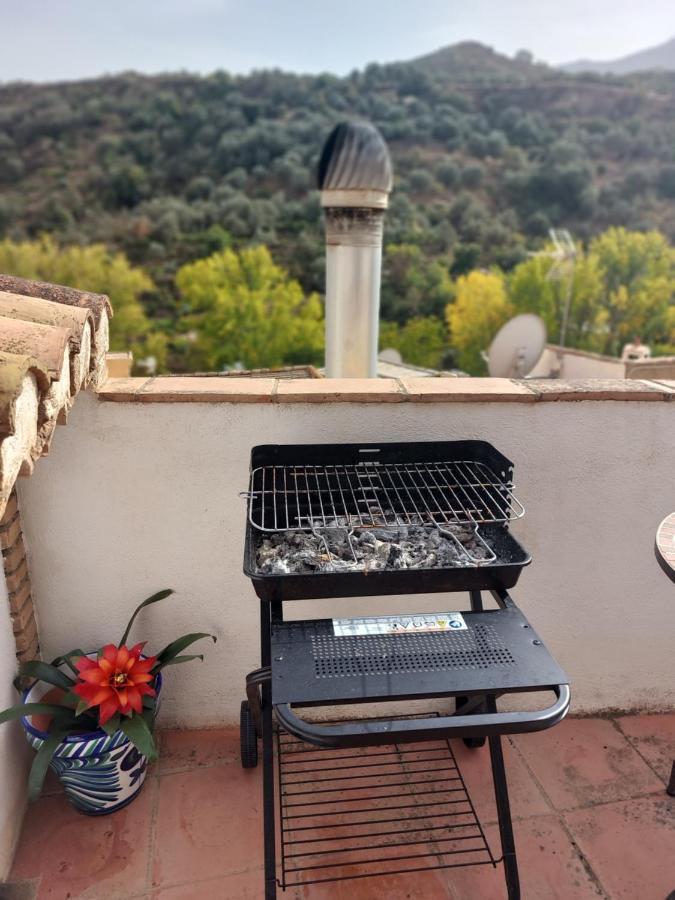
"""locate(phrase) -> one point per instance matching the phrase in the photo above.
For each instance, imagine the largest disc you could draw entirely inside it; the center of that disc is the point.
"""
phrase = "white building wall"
(14, 751)
(136, 497)
(573, 364)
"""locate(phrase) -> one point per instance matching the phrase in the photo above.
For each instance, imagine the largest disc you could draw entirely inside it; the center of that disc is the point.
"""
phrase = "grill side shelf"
(498, 652)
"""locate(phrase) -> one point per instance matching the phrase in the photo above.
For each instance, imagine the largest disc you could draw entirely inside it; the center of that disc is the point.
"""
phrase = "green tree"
(534, 286)
(92, 268)
(422, 341)
(413, 284)
(246, 310)
(480, 308)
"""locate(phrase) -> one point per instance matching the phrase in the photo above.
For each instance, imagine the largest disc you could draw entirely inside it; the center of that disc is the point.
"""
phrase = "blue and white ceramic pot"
(100, 773)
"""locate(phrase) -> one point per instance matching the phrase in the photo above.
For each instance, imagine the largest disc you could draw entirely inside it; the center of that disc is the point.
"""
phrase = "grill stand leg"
(501, 790)
(476, 601)
(504, 812)
(268, 758)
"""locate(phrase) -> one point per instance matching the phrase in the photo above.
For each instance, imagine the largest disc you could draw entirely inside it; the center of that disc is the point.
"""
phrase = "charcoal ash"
(342, 549)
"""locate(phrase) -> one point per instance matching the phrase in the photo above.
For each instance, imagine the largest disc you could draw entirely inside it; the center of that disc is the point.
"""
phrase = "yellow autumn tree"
(92, 268)
(480, 308)
(245, 310)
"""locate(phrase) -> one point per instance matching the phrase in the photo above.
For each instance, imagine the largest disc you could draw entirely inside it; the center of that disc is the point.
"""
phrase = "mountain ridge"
(660, 56)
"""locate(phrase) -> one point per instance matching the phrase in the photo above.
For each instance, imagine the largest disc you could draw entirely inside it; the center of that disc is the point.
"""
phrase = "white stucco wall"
(577, 364)
(14, 751)
(136, 497)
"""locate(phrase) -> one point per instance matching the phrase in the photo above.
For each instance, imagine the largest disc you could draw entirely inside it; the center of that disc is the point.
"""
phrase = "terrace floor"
(591, 819)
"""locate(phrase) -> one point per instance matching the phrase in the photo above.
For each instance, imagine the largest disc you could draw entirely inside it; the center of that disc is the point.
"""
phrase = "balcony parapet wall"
(216, 389)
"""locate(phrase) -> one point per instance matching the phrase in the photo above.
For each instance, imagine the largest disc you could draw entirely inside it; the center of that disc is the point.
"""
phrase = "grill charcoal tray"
(504, 573)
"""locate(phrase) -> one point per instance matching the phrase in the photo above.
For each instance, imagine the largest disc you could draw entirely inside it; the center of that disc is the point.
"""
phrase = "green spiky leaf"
(67, 659)
(136, 729)
(112, 725)
(176, 647)
(42, 759)
(183, 659)
(34, 668)
(160, 595)
(30, 709)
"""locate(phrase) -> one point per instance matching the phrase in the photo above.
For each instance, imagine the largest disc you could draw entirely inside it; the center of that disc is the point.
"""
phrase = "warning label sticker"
(415, 624)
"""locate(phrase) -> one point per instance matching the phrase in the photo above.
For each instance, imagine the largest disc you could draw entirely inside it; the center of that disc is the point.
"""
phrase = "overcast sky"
(46, 40)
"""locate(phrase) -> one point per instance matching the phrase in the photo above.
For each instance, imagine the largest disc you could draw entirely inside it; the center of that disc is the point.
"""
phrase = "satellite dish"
(517, 346)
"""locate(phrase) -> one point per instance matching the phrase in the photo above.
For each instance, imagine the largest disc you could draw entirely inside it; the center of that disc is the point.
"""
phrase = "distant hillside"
(470, 60)
(660, 57)
(489, 153)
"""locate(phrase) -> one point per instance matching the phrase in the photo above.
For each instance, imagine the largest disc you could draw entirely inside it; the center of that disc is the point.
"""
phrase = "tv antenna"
(564, 256)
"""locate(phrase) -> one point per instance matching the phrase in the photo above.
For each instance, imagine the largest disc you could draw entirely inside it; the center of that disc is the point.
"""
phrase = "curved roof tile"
(78, 321)
(53, 341)
(99, 304)
(49, 344)
(14, 367)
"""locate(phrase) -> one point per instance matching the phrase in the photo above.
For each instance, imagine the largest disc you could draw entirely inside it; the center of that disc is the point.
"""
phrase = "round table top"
(665, 545)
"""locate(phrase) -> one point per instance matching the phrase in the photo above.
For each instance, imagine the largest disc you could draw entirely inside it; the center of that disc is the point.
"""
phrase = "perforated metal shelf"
(345, 657)
(498, 652)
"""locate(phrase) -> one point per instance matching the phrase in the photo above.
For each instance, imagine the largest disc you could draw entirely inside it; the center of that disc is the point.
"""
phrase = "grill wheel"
(472, 742)
(248, 739)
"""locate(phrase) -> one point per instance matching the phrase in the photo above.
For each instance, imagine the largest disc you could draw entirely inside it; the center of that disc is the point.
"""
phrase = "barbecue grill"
(364, 797)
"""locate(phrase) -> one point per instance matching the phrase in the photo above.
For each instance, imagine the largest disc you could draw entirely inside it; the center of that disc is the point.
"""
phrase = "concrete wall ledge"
(215, 389)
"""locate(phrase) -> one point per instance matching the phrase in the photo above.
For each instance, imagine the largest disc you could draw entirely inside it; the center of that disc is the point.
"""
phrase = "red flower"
(116, 681)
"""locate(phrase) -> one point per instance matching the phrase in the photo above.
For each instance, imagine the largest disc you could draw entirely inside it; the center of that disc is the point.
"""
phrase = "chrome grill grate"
(376, 494)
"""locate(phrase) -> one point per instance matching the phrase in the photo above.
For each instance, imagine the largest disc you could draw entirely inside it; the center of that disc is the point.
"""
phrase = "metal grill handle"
(362, 734)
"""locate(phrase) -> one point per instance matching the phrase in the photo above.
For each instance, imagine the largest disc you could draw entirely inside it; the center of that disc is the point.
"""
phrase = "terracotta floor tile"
(203, 747)
(630, 845)
(526, 798)
(249, 886)
(549, 867)
(245, 886)
(412, 886)
(86, 856)
(585, 761)
(209, 824)
(654, 737)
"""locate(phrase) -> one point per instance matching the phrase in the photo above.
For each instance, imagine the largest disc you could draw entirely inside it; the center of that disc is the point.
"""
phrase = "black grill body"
(324, 785)
(419, 485)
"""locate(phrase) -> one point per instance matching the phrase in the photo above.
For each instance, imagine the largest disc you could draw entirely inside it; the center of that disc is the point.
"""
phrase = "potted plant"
(91, 716)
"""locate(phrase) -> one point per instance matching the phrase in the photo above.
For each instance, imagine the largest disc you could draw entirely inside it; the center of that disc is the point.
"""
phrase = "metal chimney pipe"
(355, 178)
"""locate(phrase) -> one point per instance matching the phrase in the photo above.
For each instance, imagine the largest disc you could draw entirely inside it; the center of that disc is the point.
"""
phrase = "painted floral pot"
(100, 773)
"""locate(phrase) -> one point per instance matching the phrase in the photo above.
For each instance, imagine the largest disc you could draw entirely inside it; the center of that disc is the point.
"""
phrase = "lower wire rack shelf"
(383, 810)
